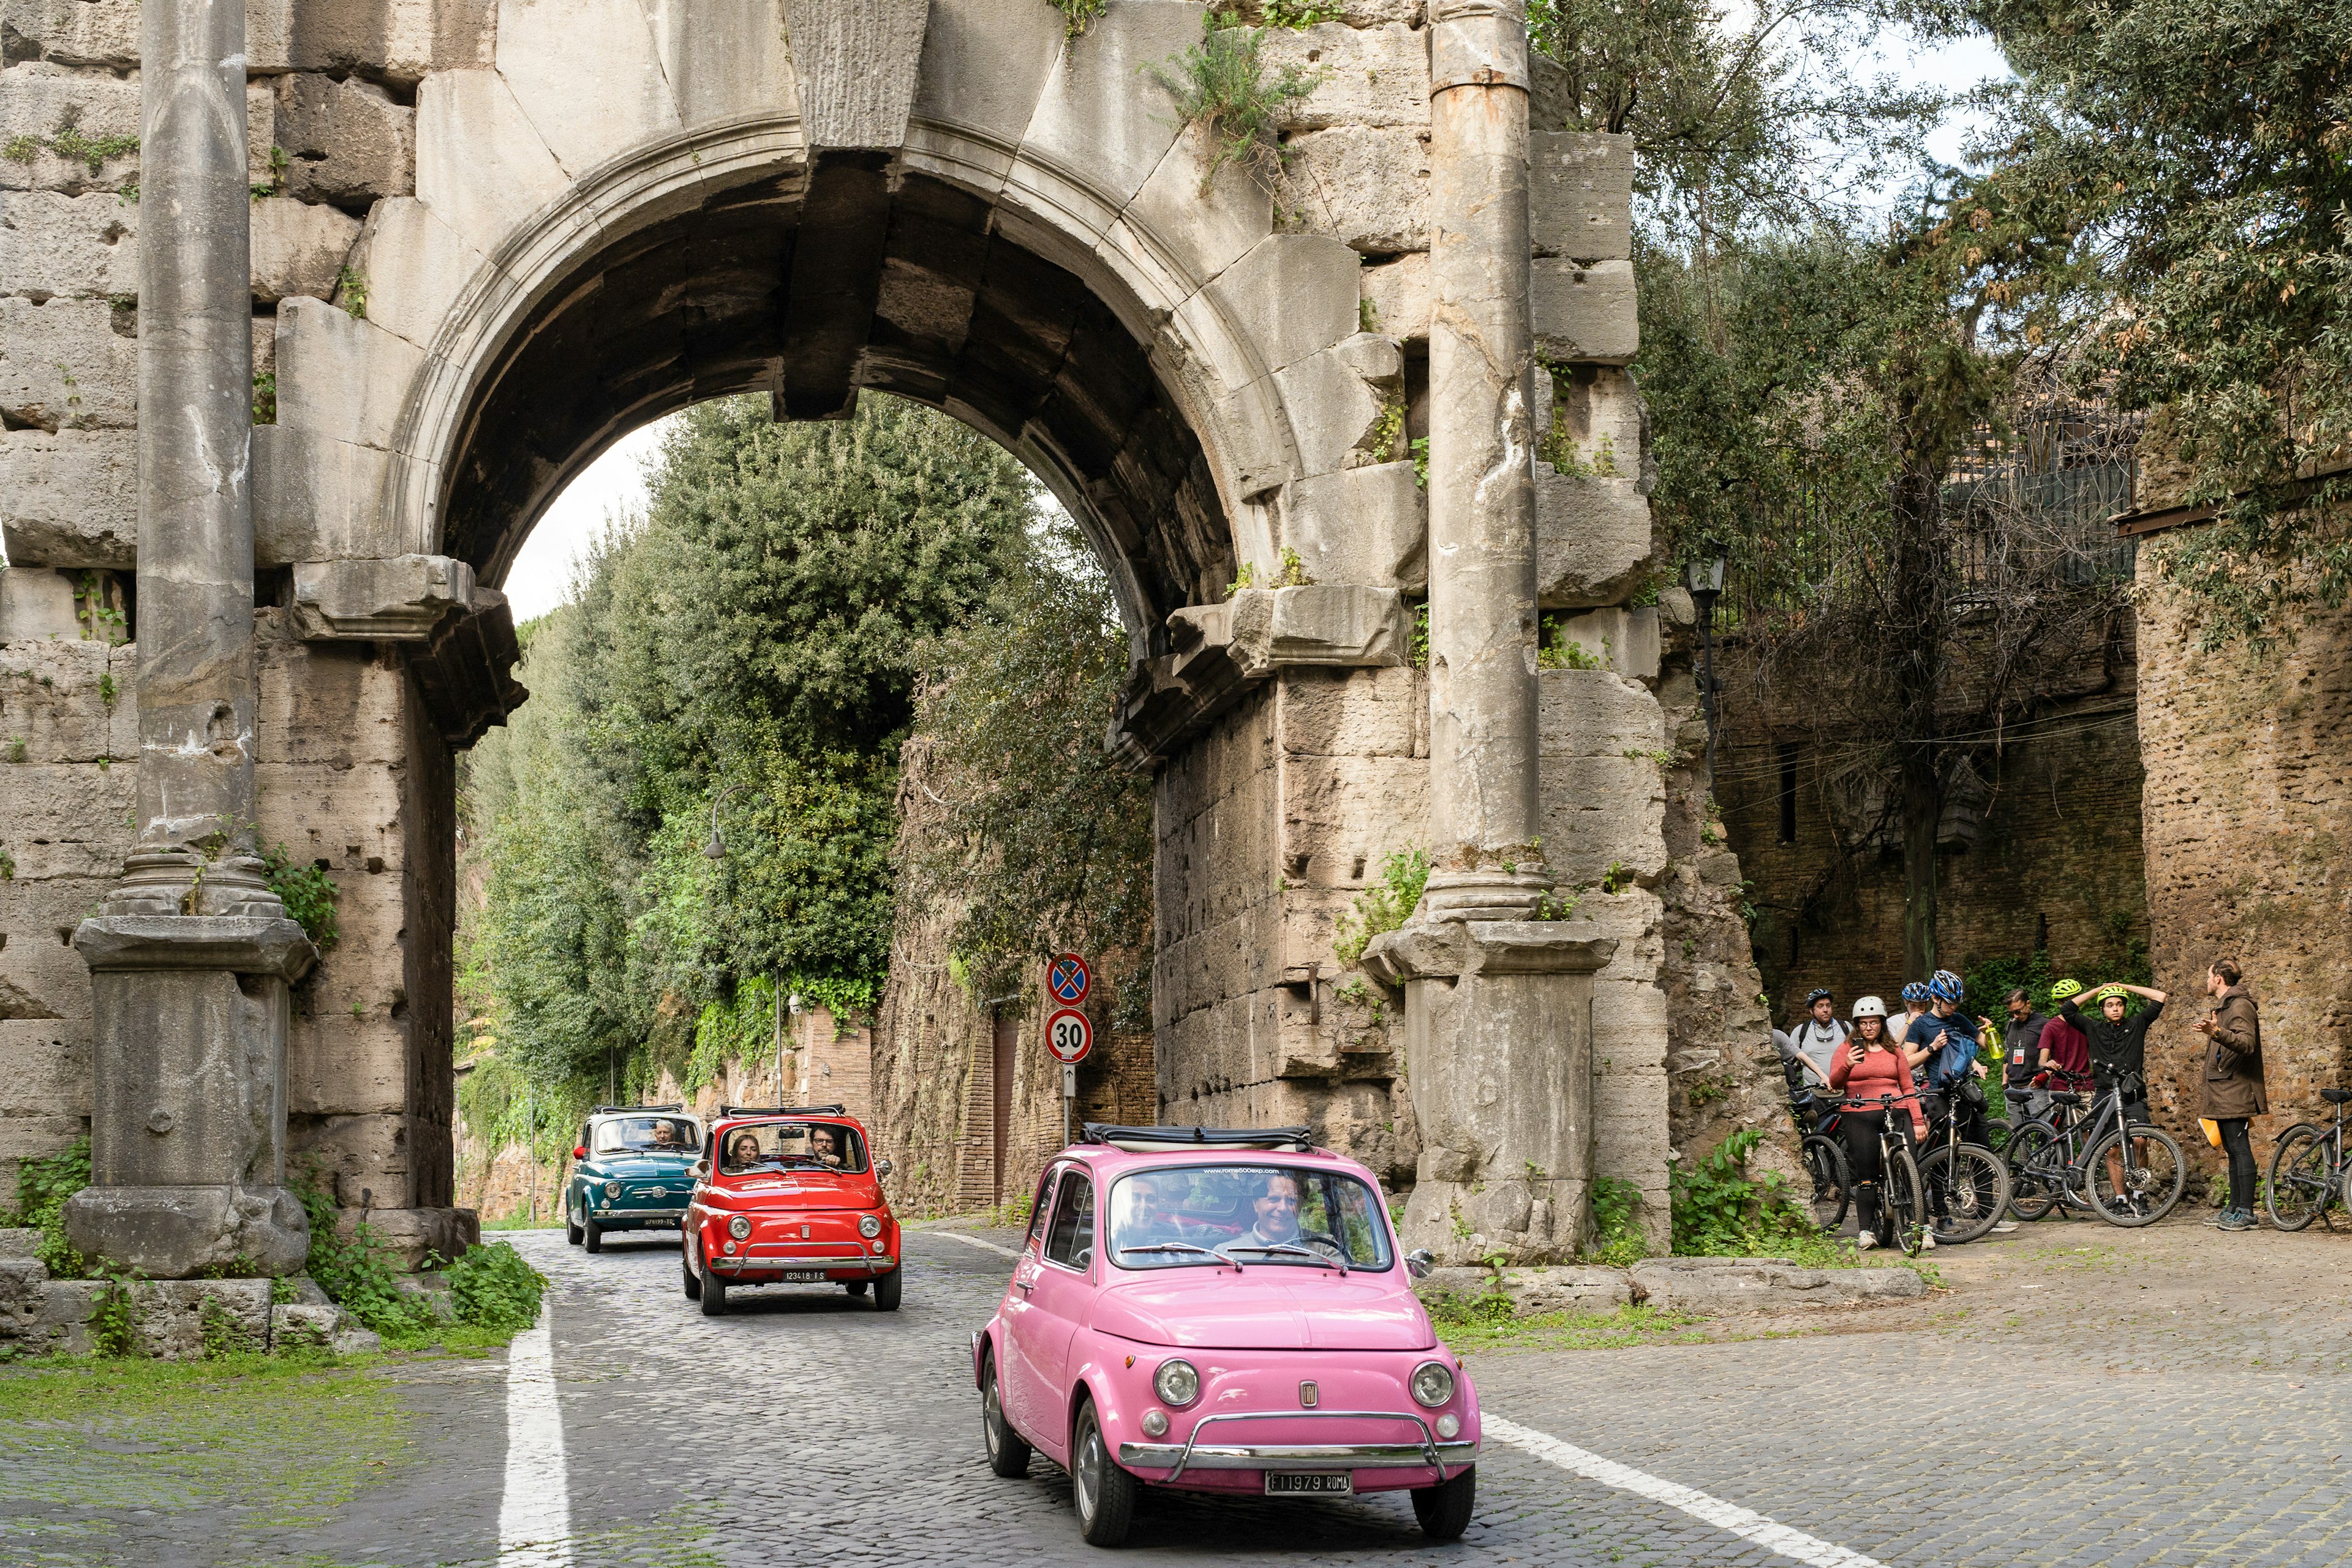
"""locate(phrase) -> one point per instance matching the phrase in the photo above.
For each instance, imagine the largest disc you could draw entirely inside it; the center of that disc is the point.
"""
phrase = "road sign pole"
(1069, 1097)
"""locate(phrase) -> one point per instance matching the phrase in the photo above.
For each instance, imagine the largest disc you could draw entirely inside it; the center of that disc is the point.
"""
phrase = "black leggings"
(2241, 1150)
(1859, 1129)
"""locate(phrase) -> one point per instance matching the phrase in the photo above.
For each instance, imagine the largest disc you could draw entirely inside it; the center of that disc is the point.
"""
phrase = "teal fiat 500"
(632, 1170)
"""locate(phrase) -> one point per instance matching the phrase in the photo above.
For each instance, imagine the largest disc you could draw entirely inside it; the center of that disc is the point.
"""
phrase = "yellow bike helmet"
(2065, 988)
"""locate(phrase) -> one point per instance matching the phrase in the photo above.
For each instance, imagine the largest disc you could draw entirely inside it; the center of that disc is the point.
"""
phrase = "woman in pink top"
(1870, 1064)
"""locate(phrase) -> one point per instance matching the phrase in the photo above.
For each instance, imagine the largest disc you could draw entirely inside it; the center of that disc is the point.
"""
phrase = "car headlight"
(739, 1227)
(1177, 1383)
(1432, 1384)
(868, 1227)
(612, 1189)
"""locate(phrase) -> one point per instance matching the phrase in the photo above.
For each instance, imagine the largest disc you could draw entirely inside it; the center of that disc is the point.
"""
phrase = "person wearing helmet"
(1871, 1065)
(1949, 1038)
(1915, 1005)
(1806, 1053)
(2118, 1052)
(2065, 1053)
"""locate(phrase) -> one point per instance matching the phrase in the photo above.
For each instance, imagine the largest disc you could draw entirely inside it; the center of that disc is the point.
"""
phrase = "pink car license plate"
(1310, 1483)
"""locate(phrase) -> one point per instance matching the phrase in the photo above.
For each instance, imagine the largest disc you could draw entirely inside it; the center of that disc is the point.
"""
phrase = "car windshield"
(791, 1145)
(1251, 1215)
(649, 1135)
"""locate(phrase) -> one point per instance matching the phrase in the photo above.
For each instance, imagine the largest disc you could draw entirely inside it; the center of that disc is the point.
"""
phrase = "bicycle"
(1966, 1184)
(2132, 1173)
(1901, 1211)
(1824, 1162)
(2308, 1174)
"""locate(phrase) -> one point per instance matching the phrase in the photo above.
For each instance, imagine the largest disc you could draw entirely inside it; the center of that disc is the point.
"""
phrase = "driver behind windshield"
(824, 1144)
(1276, 1209)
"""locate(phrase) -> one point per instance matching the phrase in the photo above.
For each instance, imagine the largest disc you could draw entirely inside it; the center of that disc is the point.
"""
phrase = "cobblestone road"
(2077, 1398)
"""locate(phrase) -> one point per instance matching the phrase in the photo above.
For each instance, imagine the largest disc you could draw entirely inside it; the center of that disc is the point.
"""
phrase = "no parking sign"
(1069, 979)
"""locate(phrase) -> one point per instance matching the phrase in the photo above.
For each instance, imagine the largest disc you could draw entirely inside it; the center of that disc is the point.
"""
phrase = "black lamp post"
(1704, 580)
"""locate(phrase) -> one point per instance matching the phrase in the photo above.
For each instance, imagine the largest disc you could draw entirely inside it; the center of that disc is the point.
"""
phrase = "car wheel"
(1105, 1494)
(688, 1278)
(592, 1236)
(1444, 1510)
(714, 1296)
(855, 1287)
(886, 1291)
(1008, 1455)
(570, 1227)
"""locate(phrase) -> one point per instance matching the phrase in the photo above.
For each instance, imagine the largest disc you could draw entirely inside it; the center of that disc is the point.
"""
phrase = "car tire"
(1104, 1493)
(714, 1296)
(1444, 1508)
(592, 1237)
(691, 1281)
(570, 1227)
(1008, 1453)
(855, 1287)
(886, 1288)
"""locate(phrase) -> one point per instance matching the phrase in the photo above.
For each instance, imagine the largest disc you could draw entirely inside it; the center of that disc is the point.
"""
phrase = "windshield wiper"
(1292, 1249)
(1181, 1246)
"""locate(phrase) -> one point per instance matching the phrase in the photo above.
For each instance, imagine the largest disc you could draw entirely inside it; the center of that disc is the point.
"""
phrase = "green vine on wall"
(309, 894)
(1080, 15)
(1383, 906)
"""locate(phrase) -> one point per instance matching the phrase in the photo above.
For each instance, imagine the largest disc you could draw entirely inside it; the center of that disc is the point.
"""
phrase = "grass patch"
(1488, 1325)
(282, 1440)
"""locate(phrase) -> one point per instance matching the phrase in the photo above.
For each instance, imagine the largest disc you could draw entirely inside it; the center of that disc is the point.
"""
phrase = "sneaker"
(2004, 1227)
(2235, 1219)
(1864, 1242)
(1928, 1242)
(2219, 1215)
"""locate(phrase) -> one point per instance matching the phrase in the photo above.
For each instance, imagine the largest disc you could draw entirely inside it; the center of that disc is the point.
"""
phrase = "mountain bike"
(2308, 1174)
(1824, 1162)
(2131, 1174)
(1966, 1184)
(1902, 1205)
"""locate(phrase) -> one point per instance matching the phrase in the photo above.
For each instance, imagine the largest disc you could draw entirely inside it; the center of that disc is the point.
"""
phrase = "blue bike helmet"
(1945, 986)
(1817, 994)
(1915, 992)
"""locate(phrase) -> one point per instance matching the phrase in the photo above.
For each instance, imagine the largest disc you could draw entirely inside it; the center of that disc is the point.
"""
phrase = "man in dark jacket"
(2020, 1052)
(2232, 1093)
(2119, 1056)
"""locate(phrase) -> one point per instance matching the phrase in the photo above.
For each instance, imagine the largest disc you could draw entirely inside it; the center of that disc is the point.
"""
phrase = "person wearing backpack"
(1806, 1051)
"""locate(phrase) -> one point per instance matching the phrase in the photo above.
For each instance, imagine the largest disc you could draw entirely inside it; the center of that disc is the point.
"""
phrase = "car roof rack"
(608, 1109)
(782, 1110)
(1142, 1139)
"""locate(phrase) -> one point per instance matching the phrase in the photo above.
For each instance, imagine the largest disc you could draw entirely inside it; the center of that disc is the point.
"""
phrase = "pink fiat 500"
(1228, 1312)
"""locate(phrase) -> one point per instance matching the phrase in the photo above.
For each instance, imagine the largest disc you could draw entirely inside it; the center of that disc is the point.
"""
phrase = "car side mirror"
(1419, 1262)
(580, 1151)
(881, 1167)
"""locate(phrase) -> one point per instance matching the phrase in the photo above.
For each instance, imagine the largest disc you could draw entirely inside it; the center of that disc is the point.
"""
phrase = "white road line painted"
(535, 1513)
(1746, 1524)
(969, 1240)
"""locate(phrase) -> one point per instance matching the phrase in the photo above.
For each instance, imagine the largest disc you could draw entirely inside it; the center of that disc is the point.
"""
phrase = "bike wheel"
(1967, 1187)
(2301, 1180)
(1906, 1208)
(2152, 1182)
(1833, 1189)
(2036, 1166)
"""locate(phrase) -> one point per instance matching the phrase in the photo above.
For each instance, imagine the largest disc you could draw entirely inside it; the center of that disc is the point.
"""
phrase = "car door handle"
(1025, 1286)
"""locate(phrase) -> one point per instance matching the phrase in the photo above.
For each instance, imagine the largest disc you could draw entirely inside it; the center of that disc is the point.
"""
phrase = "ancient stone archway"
(618, 208)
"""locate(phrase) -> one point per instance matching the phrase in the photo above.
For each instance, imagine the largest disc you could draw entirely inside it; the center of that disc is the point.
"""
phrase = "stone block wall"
(2246, 816)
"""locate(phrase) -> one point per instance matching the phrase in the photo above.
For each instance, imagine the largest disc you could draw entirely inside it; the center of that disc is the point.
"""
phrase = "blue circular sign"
(1069, 979)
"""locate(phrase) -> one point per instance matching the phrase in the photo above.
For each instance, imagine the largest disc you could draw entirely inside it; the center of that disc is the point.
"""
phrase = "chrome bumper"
(1193, 1453)
(850, 1260)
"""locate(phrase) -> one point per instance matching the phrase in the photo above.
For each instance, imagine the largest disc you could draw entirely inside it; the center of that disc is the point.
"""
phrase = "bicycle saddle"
(2336, 1096)
(2017, 1096)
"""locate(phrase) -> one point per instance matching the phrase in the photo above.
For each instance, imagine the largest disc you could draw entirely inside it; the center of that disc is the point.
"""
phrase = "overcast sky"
(615, 484)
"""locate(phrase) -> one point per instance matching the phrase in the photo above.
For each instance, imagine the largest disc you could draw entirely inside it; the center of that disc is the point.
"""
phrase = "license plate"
(804, 1276)
(1310, 1483)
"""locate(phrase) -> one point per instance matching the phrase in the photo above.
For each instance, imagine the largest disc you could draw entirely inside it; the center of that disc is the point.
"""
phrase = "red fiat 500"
(1222, 1311)
(788, 1195)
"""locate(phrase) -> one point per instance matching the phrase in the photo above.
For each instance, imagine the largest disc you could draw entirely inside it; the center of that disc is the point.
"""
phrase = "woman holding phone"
(1869, 1064)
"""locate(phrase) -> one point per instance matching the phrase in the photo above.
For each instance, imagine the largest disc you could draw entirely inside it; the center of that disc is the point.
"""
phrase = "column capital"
(1452, 950)
(240, 944)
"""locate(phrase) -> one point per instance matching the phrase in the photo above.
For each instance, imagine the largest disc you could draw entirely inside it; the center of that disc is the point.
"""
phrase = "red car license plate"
(1310, 1483)
(804, 1276)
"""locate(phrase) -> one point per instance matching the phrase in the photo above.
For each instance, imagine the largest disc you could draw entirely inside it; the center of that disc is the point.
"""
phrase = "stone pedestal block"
(1498, 1028)
(188, 1143)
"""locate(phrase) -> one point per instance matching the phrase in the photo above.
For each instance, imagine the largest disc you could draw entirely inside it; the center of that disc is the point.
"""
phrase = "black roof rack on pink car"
(1135, 1139)
(782, 1110)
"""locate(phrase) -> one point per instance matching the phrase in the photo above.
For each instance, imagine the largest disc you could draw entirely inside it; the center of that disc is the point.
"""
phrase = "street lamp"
(717, 849)
(1704, 580)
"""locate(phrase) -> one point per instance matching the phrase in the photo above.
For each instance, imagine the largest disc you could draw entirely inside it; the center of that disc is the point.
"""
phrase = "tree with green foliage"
(2187, 169)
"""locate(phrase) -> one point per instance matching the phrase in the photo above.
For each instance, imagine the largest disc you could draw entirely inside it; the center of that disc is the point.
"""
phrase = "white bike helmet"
(1870, 1007)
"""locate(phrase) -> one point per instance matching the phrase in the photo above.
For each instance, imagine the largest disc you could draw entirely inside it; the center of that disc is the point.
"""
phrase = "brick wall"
(2056, 860)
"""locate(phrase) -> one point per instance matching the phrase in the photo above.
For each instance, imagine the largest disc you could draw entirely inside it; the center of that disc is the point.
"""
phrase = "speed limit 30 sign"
(1069, 1036)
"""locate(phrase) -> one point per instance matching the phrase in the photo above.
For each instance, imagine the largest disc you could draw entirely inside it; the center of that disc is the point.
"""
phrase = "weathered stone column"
(193, 955)
(1482, 508)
